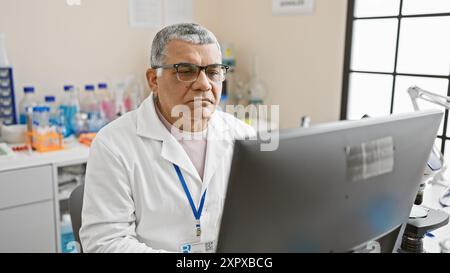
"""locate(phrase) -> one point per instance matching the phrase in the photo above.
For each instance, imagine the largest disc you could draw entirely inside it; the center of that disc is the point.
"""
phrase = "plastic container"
(69, 107)
(26, 104)
(132, 96)
(90, 106)
(89, 102)
(68, 243)
(43, 137)
(54, 119)
(107, 102)
(41, 119)
(80, 124)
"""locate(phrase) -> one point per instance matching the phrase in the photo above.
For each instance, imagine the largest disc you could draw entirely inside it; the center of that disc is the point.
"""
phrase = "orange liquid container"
(47, 142)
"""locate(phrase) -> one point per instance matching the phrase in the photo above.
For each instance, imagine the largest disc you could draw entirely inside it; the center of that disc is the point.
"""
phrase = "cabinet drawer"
(25, 186)
(29, 228)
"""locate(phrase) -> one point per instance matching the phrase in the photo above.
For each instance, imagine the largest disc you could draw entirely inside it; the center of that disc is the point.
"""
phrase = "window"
(392, 45)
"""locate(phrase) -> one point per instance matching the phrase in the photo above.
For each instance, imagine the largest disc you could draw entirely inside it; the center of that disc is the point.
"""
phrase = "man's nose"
(202, 83)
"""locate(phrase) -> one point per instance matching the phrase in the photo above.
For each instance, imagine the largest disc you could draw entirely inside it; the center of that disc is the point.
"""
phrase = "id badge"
(199, 247)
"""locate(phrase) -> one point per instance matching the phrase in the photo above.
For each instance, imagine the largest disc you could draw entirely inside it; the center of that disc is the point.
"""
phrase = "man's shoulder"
(123, 127)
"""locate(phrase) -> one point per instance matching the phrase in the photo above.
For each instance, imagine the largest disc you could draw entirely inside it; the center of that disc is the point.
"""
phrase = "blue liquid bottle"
(26, 104)
(68, 109)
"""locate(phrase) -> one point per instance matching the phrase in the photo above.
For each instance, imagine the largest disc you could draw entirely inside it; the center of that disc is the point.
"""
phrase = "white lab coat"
(133, 199)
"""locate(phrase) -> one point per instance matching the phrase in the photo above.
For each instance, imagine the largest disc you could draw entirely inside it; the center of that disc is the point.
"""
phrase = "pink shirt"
(193, 143)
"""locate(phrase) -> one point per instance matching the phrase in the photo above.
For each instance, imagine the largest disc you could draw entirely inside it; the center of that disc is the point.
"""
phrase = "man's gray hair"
(188, 32)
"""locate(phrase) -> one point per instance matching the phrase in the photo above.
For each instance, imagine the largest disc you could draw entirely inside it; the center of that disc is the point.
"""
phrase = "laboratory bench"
(34, 192)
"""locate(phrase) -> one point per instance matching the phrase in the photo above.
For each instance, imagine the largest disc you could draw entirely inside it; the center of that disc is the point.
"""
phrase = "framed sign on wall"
(293, 7)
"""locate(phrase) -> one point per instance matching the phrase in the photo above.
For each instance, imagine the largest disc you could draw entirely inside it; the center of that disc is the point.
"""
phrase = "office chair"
(75, 206)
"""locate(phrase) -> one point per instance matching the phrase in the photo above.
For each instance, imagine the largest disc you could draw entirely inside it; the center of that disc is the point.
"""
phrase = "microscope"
(423, 220)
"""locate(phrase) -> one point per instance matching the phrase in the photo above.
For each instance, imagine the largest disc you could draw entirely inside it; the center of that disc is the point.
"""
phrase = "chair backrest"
(75, 206)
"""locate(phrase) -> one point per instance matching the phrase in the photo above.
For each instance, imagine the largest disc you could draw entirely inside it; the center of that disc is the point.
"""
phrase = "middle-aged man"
(156, 178)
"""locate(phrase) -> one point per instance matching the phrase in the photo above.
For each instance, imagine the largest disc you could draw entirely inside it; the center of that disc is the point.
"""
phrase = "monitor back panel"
(309, 196)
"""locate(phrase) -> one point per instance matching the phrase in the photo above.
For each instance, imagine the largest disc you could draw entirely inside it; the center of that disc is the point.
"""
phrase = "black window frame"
(347, 62)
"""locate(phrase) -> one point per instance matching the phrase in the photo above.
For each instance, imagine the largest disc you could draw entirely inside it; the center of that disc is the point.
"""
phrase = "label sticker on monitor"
(370, 159)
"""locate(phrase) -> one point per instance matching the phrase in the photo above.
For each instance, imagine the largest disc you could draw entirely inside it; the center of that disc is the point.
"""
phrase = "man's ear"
(152, 80)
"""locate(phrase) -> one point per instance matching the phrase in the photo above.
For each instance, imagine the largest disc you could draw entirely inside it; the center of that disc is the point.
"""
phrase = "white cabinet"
(27, 213)
(28, 228)
(24, 186)
(34, 190)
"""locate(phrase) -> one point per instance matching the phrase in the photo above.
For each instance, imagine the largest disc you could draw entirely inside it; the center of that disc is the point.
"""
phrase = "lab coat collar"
(150, 126)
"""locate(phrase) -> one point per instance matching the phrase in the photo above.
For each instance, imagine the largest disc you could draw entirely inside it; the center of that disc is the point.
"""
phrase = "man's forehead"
(181, 48)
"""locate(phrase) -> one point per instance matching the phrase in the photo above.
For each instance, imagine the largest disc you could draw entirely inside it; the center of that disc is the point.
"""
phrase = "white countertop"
(73, 152)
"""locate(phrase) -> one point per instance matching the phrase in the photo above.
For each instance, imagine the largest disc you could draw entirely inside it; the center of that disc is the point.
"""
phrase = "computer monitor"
(328, 188)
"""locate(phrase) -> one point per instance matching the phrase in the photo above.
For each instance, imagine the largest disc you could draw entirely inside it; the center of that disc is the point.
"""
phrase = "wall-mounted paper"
(146, 13)
(177, 11)
(292, 7)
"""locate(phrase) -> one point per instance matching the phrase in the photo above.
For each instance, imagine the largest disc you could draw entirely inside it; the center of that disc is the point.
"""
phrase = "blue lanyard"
(197, 213)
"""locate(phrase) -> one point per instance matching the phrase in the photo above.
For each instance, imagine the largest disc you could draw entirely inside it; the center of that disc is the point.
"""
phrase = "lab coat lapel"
(219, 142)
(174, 152)
(150, 126)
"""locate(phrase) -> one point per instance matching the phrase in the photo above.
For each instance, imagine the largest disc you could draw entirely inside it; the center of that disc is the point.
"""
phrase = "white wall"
(51, 44)
(300, 57)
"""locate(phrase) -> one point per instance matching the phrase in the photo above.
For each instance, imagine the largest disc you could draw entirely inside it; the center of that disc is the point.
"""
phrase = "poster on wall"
(145, 13)
(158, 13)
(178, 11)
(293, 7)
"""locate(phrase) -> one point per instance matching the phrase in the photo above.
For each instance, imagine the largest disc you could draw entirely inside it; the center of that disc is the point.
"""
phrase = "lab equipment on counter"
(13, 134)
(80, 124)
(44, 137)
(90, 106)
(68, 108)
(54, 117)
(133, 95)
(241, 92)
(7, 99)
(228, 56)
(436, 167)
(83, 123)
(229, 59)
(120, 92)
(89, 102)
(305, 122)
(107, 101)
(26, 104)
(445, 246)
(256, 88)
(87, 138)
(129, 95)
(5, 151)
(422, 220)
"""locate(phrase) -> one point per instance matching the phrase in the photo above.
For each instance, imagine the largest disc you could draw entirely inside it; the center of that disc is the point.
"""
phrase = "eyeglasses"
(187, 72)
